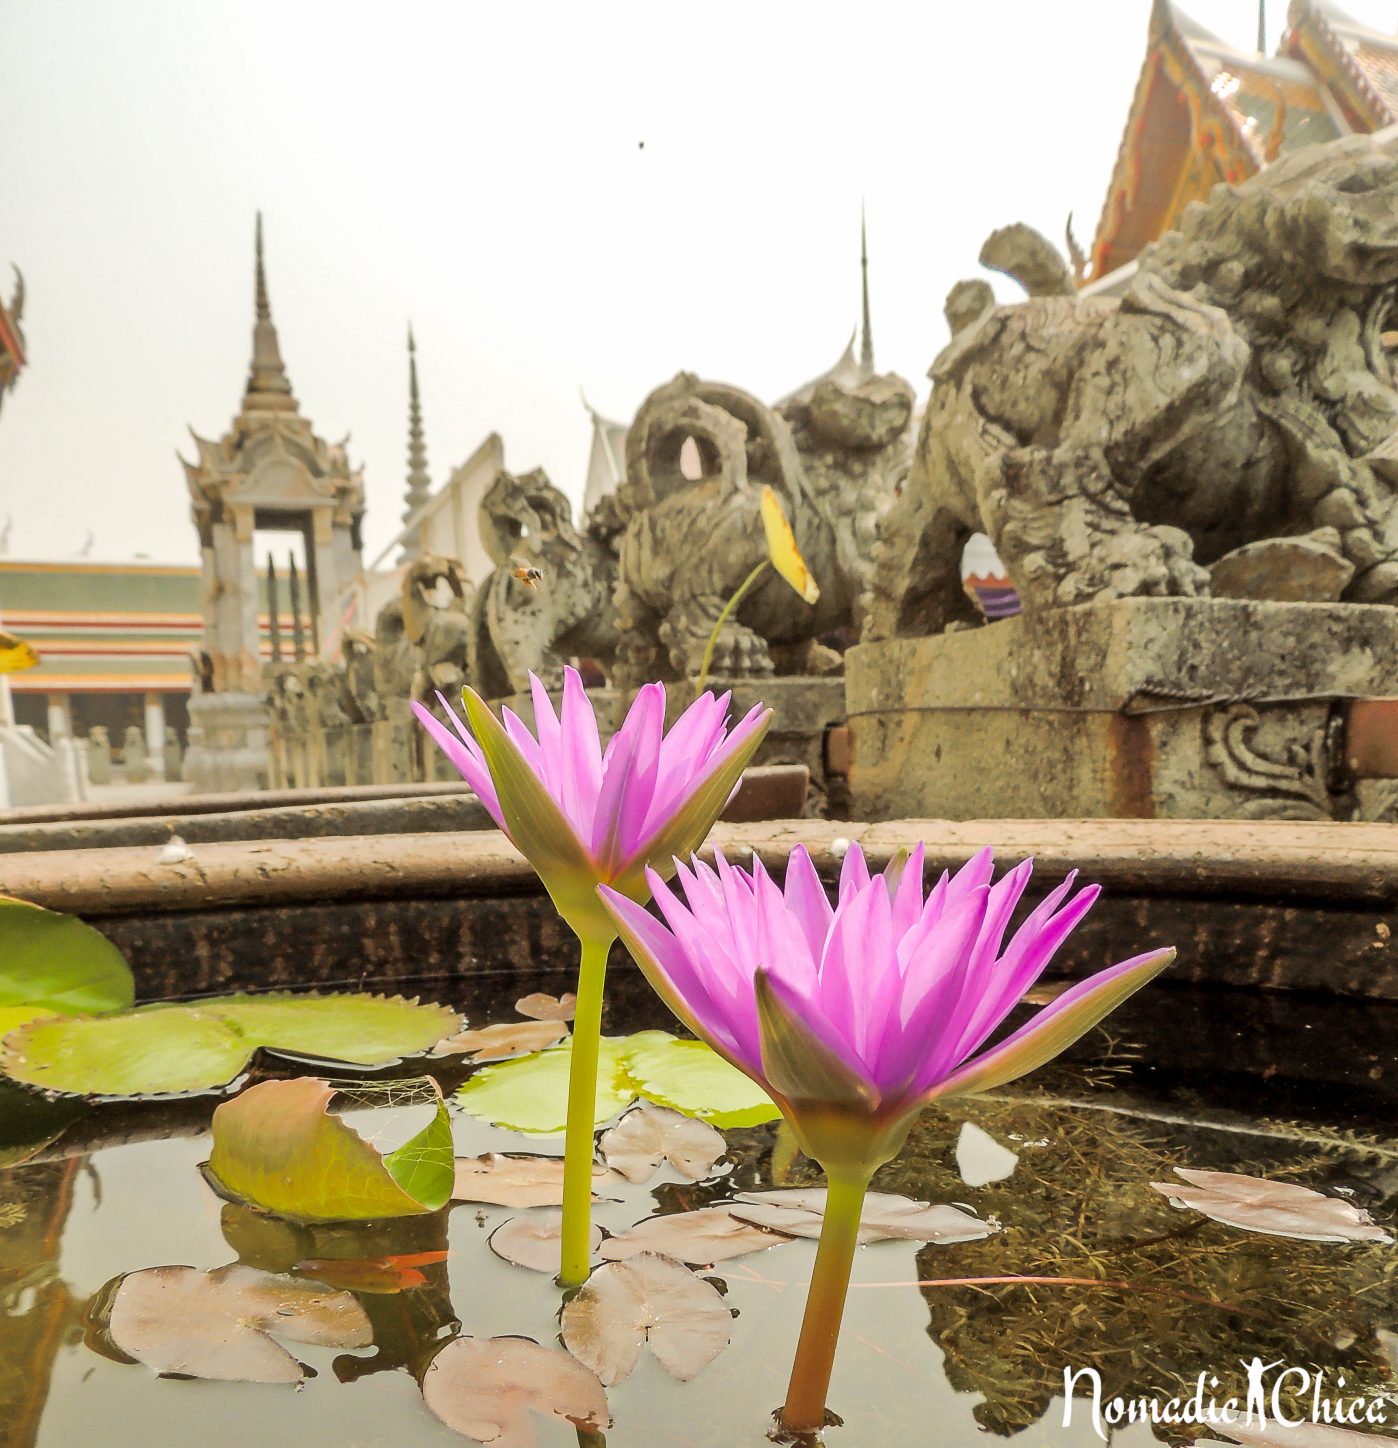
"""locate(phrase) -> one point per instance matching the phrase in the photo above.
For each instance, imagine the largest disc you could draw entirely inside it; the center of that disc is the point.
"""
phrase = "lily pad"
(486, 1388)
(277, 1148)
(691, 1078)
(501, 1042)
(1277, 1209)
(649, 1135)
(55, 965)
(162, 1048)
(540, 1006)
(648, 1298)
(886, 1217)
(703, 1237)
(508, 1180)
(534, 1241)
(531, 1093)
(185, 1323)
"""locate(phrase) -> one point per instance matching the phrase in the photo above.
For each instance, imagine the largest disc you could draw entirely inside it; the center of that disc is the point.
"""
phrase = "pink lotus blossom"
(854, 1016)
(583, 815)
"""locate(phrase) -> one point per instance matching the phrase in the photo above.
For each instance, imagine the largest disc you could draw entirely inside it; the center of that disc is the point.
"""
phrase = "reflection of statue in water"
(1079, 1205)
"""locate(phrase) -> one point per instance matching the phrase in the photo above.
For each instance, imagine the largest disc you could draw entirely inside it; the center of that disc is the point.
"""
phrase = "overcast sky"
(592, 195)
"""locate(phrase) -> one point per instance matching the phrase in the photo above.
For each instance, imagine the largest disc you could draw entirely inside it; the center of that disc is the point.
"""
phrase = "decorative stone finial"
(268, 388)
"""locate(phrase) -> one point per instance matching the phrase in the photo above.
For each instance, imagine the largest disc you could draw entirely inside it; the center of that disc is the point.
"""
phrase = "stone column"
(249, 665)
(328, 577)
(155, 734)
(60, 717)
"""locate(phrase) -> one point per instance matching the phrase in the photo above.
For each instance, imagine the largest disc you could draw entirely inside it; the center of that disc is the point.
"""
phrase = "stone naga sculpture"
(436, 611)
(549, 597)
(833, 454)
(1228, 424)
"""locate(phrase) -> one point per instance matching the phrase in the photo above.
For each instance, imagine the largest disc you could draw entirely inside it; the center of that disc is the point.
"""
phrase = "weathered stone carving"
(834, 455)
(1241, 388)
(525, 623)
(1286, 781)
(436, 606)
(99, 755)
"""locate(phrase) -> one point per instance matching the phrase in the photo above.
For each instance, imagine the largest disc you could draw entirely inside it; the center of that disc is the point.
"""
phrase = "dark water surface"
(1234, 1082)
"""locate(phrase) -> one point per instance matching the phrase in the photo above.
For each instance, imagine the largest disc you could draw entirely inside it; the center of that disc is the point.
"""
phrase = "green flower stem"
(804, 1410)
(739, 594)
(582, 1110)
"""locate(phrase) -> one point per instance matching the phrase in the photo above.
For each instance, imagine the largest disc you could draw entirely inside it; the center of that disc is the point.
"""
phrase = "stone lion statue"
(548, 598)
(697, 457)
(1228, 424)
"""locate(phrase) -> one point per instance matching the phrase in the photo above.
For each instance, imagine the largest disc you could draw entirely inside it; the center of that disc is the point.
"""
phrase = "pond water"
(1303, 1091)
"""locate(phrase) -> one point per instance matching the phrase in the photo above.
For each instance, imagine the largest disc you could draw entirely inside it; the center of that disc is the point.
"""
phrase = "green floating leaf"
(277, 1148)
(689, 1077)
(531, 1092)
(158, 1049)
(52, 963)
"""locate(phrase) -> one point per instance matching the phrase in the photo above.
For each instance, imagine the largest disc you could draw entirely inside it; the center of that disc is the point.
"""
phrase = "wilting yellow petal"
(781, 548)
(15, 654)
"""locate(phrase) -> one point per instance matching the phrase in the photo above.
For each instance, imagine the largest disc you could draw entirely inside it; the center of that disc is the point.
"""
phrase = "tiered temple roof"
(1206, 112)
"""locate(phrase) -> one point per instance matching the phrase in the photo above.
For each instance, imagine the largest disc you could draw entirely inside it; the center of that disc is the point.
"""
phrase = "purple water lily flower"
(854, 1016)
(583, 815)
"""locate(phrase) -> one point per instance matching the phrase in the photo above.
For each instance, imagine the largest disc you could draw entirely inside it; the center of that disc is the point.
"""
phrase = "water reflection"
(1175, 1293)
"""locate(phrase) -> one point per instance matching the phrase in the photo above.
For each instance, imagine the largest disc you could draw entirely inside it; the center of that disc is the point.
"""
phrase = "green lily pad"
(276, 1147)
(55, 963)
(689, 1077)
(530, 1093)
(159, 1049)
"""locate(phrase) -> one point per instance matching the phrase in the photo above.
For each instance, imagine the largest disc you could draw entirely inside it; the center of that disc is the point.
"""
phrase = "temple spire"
(866, 341)
(268, 388)
(419, 487)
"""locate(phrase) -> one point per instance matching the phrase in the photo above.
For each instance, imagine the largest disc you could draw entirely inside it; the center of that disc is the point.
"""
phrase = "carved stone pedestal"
(229, 743)
(1140, 708)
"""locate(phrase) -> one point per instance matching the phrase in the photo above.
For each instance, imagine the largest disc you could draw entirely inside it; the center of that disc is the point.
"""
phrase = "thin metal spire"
(1262, 27)
(866, 341)
(268, 389)
(419, 487)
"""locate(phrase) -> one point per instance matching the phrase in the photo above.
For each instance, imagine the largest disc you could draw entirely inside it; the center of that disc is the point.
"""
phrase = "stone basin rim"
(1297, 862)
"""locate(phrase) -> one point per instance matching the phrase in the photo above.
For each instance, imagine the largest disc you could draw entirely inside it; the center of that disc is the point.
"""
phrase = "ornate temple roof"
(606, 458)
(271, 458)
(1206, 112)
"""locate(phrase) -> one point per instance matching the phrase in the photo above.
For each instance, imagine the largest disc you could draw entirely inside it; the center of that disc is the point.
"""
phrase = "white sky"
(478, 169)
